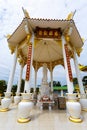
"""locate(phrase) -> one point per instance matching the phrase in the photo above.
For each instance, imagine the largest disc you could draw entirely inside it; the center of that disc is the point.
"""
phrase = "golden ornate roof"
(47, 42)
(83, 68)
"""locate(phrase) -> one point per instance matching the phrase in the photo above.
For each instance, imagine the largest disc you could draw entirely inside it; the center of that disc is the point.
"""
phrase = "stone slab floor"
(40, 120)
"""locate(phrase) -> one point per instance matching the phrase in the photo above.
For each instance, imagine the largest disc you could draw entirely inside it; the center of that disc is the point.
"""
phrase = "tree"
(84, 80)
(54, 83)
(3, 87)
(31, 90)
(58, 83)
(22, 85)
(14, 89)
(75, 81)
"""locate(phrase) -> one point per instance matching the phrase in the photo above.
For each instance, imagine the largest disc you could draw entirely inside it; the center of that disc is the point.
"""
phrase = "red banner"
(28, 62)
(68, 62)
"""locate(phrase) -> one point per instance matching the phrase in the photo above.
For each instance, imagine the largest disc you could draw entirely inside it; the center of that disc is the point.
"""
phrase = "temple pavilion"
(50, 41)
(45, 43)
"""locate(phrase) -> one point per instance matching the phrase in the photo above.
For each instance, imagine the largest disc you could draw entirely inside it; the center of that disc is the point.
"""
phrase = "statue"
(45, 89)
(44, 79)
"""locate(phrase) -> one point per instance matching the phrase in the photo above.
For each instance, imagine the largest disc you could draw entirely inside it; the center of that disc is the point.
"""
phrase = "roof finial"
(26, 14)
(71, 15)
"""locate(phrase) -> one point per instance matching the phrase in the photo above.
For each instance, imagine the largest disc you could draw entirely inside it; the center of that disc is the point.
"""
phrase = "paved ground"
(41, 120)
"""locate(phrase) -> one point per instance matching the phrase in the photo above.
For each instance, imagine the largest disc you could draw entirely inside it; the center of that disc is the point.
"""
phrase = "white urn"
(51, 96)
(5, 102)
(39, 97)
(83, 102)
(73, 108)
(24, 108)
(17, 98)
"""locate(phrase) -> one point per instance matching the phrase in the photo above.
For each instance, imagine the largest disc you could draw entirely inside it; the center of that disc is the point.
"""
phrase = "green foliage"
(22, 85)
(60, 88)
(31, 90)
(14, 89)
(84, 80)
(37, 90)
(3, 87)
(75, 81)
(55, 83)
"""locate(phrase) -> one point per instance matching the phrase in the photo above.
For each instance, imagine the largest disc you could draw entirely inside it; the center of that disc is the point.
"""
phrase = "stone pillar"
(35, 80)
(35, 85)
(5, 103)
(29, 64)
(67, 66)
(61, 93)
(51, 77)
(20, 78)
(78, 73)
(17, 98)
(11, 77)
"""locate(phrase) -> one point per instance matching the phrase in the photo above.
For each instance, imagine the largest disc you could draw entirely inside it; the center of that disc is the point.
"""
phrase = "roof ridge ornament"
(71, 15)
(26, 14)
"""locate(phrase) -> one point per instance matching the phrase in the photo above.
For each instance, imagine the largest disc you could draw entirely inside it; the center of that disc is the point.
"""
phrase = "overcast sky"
(11, 15)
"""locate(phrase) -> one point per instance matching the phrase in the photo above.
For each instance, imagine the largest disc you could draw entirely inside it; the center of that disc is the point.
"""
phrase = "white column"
(20, 78)
(69, 83)
(27, 83)
(11, 77)
(51, 76)
(35, 80)
(26, 87)
(78, 73)
(61, 93)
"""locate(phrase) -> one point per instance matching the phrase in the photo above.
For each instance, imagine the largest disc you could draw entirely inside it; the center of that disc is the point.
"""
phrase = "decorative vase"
(5, 102)
(17, 98)
(51, 96)
(24, 108)
(83, 102)
(39, 97)
(73, 108)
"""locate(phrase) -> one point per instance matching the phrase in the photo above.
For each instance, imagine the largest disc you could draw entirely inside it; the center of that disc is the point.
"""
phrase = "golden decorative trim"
(48, 33)
(36, 41)
(71, 100)
(79, 51)
(12, 48)
(54, 63)
(23, 120)
(70, 16)
(67, 37)
(76, 120)
(25, 100)
(4, 109)
(8, 36)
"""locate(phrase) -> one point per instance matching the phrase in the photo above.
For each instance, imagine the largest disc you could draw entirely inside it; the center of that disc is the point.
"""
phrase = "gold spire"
(8, 36)
(83, 68)
(26, 14)
(71, 15)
